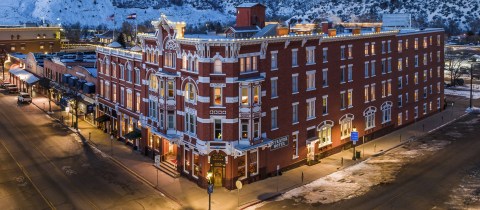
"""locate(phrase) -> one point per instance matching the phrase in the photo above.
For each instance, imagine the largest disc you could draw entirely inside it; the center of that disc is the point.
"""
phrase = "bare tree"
(453, 62)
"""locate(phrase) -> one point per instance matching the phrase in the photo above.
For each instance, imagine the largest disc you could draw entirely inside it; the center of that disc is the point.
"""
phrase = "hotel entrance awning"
(103, 118)
(135, 134)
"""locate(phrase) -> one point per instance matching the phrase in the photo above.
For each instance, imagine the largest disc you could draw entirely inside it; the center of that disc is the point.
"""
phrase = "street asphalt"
(44, 165)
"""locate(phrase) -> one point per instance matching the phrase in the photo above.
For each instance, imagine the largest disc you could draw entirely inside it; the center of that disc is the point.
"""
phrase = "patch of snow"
(462, 93)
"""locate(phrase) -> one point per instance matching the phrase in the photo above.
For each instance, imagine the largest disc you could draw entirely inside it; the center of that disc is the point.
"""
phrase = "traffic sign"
(354, 136)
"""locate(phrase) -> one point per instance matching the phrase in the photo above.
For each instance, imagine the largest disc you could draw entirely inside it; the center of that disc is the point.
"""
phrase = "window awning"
(24, 75)
(135, 134)
(103, 118)
(240, 149)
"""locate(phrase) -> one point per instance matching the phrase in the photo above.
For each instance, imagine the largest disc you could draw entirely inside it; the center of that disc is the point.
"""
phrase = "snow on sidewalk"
(360, 178)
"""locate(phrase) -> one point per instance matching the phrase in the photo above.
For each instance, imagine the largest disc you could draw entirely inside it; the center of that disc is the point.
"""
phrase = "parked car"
(24, 98)
(459, 82)
(12, 89)
(4, 84)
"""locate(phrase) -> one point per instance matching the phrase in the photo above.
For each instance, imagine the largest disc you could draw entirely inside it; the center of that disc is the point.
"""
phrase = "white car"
(24, 98)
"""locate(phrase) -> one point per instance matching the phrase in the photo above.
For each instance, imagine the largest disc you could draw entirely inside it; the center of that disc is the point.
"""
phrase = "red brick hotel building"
(245, 107)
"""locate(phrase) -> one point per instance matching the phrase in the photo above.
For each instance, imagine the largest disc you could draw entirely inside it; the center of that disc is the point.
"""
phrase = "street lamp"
(209, 189)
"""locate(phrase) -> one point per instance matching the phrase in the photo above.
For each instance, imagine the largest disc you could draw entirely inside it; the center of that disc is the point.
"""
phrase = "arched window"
(153, 85)
(325, 133)
(184, 62)
(196, 64)
(217, 68)
(346, 125)
(386, 112)
(369, 114)
(190, 92)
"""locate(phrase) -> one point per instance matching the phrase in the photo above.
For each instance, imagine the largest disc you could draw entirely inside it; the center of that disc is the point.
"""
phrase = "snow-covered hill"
(463, 13)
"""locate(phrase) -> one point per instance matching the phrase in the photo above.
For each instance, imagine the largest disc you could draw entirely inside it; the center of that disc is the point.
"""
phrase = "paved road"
(424, 184)
(45, 166)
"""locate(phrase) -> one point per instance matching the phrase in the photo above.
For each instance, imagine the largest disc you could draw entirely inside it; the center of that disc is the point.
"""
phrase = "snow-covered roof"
(268, 30)
(136, 48)
(114, 45)
(247, 5)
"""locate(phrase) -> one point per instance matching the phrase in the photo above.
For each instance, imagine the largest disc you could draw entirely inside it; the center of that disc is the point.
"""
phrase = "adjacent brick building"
(245, 108)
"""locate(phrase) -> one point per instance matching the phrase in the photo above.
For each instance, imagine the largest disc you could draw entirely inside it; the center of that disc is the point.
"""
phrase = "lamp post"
(209, 189)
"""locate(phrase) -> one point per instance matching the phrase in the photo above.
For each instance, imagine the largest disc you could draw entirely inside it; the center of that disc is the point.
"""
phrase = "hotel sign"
(279, 143)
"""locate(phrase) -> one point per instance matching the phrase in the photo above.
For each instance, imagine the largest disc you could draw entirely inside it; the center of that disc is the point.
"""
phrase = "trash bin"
(357, 154)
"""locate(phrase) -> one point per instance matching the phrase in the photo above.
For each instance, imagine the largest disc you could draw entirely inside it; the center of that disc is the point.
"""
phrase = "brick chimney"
(251, 14)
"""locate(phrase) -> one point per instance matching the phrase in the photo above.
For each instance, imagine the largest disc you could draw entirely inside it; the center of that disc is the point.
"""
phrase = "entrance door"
(217, 176)
(311, 151)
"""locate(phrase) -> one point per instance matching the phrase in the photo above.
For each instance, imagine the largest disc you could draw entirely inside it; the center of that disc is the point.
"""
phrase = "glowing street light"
(209, 189)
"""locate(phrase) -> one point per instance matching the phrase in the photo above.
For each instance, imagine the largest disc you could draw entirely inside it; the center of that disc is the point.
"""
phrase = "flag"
(132, 16)
(111, 17)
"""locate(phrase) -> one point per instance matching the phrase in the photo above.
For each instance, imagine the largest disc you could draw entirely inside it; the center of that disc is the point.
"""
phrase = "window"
(171, 120)
(425, 43)
(342, 52)
(386, 112)
(389, 87)
(152, 108)
(438, 87)
(244, 131)
(342, 100)
(372, 92)
(366, 69)
(137, 102)
(431, 89)
(325, 105)
(416, 60)
(217, 96)
(325, 134)
(388, 46)
(415, 45)
(295, 113)
(170, 89)
(384, 89)
(295, 145)
(425, 76)
(406, 79)
(107, 90)
(400, 100)
(369, 114)
(406, 44)
(325, 77)
(406, 62)
(310, 80)
(425, 59)
(346, 125)
(415, 112)
(384, 66)
(114, 92)
(153, 83)
(383, 47)
(431, 40)
(438, 56)
(399, 65)
(129, 99)
(406, 98)
(424, 92)
(102, 93)
(310, 55)
(162, 88)
(438, 40)
(372, 69)
(400, 44)
(273, 88)
(415, 78)
(137, 76)
(294, 57)
(424, 108)
(415, 96)
(310, 108)
(438, 71)
(389, 65)
(274, 60)
(399, 118)
(366, 93)
(190, 93)
(366, 49)
(245, 96)
(190, 123)
(256, 129)
(274, 118)
(256, 95)
(248, 64)
(217, 66)
(324, 56)
(294, 83)
(400, 83)
(342, 74)
(242, 165)
(431, 57)
(129, 73)
(122, 72)
(252, 163)
(438, 103)
(350, 51)
(350, 72)
(196, 165)
(372, 48)
(350, 98)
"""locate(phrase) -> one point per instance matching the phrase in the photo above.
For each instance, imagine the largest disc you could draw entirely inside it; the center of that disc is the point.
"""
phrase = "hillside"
(461, 14)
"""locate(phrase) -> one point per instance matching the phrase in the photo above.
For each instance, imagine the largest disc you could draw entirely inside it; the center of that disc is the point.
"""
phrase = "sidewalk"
(190, 196)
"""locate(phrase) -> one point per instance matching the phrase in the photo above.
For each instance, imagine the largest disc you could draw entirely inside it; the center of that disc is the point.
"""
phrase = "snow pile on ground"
(473, 110)
(467, 194)
(463, 91)
(358, 179)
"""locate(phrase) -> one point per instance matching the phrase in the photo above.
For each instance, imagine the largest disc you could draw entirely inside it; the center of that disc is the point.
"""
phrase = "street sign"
(157, 160)
(239, 184)
(354, 136)
(210, 189)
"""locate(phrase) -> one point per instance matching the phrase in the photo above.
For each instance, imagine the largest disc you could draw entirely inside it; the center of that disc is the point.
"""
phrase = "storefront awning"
(173, 138)
(135, 134)
(24, 75)
(103, 118)
(240, 149)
